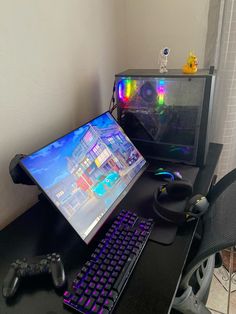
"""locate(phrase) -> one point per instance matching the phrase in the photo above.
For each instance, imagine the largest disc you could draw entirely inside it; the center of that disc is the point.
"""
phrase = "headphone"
(174, 202)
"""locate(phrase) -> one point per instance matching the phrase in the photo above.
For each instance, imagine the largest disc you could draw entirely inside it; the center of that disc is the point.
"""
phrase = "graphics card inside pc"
(166, 115)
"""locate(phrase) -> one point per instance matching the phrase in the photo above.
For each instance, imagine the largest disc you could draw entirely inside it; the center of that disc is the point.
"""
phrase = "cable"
(113, 105)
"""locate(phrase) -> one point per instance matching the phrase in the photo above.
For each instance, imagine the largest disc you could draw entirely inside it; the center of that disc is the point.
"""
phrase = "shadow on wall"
(88, 103)
(82, 102)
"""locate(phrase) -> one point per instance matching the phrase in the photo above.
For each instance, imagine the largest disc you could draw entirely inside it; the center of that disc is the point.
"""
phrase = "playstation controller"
(45, 264)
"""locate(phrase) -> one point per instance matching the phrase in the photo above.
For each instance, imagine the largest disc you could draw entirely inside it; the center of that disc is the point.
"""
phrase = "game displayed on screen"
(84, 172)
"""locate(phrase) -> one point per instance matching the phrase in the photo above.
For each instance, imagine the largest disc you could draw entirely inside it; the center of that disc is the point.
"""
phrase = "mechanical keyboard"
(100, 282)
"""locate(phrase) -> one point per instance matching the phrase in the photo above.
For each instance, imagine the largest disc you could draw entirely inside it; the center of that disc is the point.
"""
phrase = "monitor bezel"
(111, 209)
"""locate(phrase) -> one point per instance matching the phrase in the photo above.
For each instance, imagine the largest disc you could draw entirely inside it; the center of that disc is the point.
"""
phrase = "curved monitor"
(87, 172)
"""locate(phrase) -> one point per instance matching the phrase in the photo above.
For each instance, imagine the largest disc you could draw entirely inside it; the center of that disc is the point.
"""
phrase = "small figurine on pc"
(191, 65)
(163, 59)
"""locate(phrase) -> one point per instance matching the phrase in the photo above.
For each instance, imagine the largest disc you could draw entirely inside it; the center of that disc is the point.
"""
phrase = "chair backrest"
(219, 223)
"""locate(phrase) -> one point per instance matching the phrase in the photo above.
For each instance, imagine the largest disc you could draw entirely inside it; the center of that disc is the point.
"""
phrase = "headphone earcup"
(179, 190)
(197, 205)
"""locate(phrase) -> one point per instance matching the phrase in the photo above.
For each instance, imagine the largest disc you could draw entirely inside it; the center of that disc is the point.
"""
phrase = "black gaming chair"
(218, 233)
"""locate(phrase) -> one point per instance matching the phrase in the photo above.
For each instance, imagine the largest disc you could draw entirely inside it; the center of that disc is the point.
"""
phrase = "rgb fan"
(148, 92)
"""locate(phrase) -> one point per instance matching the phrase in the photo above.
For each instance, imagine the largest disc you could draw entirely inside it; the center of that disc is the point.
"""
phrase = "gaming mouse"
(167, 174)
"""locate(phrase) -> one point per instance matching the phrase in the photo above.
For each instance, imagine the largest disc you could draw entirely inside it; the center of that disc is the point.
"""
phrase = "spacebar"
(124, 273)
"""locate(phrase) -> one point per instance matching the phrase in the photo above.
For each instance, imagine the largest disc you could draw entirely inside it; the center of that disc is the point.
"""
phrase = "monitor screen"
(87, 172)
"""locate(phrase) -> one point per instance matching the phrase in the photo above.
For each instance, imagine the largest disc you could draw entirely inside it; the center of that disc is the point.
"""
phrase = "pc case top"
(166, 115)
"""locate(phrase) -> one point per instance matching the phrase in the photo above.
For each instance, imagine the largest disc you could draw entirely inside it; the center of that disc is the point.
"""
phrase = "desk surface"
(42, 229)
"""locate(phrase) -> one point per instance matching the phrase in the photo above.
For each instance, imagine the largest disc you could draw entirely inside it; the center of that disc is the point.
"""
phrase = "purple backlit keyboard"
(100, 282)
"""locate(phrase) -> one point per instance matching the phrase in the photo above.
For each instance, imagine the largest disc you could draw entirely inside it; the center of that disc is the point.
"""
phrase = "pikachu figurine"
(191, 65)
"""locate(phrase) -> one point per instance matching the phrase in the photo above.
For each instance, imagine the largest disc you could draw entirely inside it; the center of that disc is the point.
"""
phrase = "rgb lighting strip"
(161, 93)
(126, 88)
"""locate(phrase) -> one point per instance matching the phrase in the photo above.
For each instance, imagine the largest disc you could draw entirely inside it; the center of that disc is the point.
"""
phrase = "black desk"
(42, 229)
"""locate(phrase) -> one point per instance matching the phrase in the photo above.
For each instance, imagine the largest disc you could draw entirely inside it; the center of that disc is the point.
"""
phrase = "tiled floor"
(218, 298)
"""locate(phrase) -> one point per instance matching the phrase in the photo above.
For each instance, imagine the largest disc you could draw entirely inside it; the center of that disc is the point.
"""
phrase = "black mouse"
(167, 174)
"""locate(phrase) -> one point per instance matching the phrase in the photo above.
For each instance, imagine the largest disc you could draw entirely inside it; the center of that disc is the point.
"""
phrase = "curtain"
(224, 104)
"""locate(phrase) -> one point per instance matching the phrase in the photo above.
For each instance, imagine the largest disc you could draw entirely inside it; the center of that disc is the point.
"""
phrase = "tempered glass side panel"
(158, 111)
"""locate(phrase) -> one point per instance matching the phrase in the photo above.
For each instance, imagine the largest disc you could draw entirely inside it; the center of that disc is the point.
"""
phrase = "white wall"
(57, 64)
(151, 25)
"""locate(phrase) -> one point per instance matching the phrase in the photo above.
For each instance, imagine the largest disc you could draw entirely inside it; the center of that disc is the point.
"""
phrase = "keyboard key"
(95, 266)
(99, 273)
(87, 292)
(87, 278)
(111, 280)
(82, 300)
(67, 295)
(123, 275)
(113, 263)
(121, 263)
(106, 274)
(95, 308)
(95, 294)
(83, 285)
(88, 264)
(106, 261)
(80, 276)
(96, 279)
(113, 295)
(104, 293)
(89, 303)
(118, 268)
(76, 282)
(103, 311)
(99, 287)
(74, 299)
(110, 268)
(108, 286)
(103, 267)
(103, 280)
(100, 300)
(108, 304)
(79, 291)
(92, 285)
(91, 273)
(114, 274)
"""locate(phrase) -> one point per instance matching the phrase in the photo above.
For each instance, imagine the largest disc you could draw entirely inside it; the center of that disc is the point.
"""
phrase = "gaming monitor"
(87, 172)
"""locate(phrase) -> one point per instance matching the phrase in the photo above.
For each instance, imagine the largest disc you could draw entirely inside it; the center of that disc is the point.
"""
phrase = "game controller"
(50, 263)
(167, 174)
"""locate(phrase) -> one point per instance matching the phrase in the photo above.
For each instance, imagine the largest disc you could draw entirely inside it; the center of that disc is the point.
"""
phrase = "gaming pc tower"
(166, 115)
